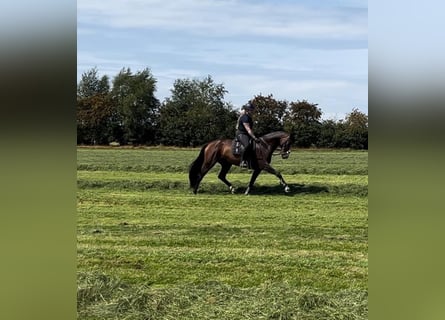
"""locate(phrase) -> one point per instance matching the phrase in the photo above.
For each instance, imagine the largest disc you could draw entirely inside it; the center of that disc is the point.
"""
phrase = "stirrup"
(243, 164)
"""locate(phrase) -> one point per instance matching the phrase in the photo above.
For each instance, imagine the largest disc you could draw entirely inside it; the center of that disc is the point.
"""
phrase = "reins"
(279, 153)
(274, 153)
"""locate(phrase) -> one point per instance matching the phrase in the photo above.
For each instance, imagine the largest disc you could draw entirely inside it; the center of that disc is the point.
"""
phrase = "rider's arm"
(249, 130)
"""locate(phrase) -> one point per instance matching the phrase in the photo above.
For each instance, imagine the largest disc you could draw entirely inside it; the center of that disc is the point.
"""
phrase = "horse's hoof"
(287, 189)
(232, 189)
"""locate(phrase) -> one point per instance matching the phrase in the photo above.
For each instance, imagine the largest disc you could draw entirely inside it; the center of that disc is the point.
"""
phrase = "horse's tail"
(195, 168)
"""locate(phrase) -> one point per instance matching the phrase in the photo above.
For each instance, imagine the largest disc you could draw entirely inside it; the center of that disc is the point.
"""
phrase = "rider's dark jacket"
(241, 131)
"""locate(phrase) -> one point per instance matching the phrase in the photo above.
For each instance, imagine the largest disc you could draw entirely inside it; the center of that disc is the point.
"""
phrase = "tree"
(328, 133)
(133, 95)
(94, 109)
(356, 129)
(196, 113)
(90, 85)
(268, 114)
(302, 122)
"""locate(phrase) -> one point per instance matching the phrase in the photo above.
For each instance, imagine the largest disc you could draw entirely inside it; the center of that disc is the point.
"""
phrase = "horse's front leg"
(255, 174)
(271, 170)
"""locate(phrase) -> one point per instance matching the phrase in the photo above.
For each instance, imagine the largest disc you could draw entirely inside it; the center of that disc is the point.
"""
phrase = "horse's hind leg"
(225, 167)
(198, 181)
(204, 170)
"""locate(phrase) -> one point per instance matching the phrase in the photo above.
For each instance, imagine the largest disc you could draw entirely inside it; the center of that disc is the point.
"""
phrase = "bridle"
(283, 154)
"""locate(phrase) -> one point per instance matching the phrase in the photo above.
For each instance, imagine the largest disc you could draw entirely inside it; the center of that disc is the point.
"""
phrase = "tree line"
(125, 110)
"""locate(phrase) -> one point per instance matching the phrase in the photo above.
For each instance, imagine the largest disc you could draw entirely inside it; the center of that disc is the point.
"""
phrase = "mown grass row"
(147, 182)
(99, 294)
(149, 249)
(160, 160)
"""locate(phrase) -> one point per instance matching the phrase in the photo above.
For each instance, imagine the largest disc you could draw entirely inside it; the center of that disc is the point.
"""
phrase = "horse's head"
(279, 140)
(285, 145)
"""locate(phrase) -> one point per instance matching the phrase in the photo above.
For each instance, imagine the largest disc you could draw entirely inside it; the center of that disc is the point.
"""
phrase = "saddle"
(236, 147)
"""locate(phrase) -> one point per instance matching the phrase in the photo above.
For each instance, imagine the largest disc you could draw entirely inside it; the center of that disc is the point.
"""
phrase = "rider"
(244, 131)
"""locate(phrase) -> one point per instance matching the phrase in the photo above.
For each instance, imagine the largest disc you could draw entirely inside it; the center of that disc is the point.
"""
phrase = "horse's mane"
(274, 134)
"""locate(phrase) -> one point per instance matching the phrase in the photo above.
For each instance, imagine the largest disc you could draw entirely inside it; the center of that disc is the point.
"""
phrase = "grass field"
(150, 249)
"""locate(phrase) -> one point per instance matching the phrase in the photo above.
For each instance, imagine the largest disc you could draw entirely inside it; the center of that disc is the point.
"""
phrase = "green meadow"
(148, 248)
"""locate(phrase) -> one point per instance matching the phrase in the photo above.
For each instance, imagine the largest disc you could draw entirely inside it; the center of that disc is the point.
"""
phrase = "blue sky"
(295, 50)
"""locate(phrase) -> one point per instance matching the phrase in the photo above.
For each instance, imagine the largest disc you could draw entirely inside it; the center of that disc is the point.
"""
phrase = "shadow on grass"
(277, 189)
(221, 188)
(295, 188)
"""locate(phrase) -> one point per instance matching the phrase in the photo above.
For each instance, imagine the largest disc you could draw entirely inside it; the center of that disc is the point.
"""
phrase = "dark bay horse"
(221, 151)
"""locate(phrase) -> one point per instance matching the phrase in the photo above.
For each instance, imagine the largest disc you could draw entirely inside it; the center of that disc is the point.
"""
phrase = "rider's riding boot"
(243, 163)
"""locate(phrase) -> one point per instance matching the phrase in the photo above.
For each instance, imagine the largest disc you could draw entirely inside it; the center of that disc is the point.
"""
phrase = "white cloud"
(228, 18)
(307, 51)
